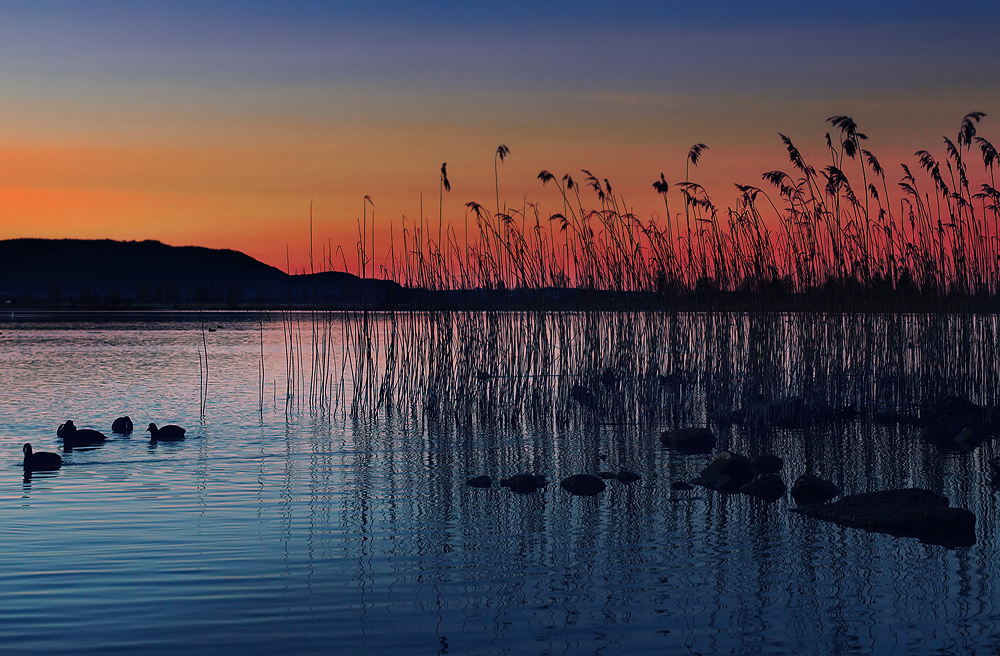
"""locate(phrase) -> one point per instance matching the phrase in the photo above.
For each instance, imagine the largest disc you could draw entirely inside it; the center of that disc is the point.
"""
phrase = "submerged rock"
(689, 440)
(767, 463)
(626, 476)
(480, 481)
(606, 475)
(768, 487)
(810, 490)
(733, 465)
(909, 512)
(681, 485)
(523, 483)
(953, 419)
(583, 485)
(714, 480)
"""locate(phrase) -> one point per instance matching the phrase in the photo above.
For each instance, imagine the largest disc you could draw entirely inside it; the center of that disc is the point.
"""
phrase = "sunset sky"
(218, 123)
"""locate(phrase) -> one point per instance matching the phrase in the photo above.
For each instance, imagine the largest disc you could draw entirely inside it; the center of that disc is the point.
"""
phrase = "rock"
(810, 490)
(967, 438)
(626, 476)
(689, 440)
(583, 485)
(952, 416)
(480, 481)
(908, 512)
(768, 487)
(523, 483)
(767, 463)
(734, 466)
(713, 480)
(681, 485)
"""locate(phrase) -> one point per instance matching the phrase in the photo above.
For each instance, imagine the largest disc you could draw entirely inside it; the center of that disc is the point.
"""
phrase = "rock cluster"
(912, 512)
(810, 490)
(732, 472)
(954, 421)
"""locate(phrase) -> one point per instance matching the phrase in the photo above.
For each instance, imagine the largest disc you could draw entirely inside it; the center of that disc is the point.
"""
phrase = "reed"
(520, 322)
(203, 371)
(833, 234)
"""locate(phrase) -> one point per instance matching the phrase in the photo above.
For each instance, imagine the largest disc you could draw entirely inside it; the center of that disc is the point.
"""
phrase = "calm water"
(290, 529)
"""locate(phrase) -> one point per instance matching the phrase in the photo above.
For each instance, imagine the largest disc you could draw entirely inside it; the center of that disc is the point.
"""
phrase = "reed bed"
(653, 369)
(829, 236)
(834, 230)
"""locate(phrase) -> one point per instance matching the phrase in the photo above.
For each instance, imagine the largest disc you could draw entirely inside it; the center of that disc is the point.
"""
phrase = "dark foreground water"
(295, 528)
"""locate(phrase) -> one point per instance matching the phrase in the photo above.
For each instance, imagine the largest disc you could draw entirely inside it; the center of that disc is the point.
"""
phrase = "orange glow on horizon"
(255, 197)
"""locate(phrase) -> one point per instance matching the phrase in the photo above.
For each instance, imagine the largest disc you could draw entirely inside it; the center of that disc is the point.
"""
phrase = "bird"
(41, 461)
(122, 425)
(169, 433)
(73, 436)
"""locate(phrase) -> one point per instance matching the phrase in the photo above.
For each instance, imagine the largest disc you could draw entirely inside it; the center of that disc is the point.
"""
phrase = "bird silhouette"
(41, 461)
(168, 433)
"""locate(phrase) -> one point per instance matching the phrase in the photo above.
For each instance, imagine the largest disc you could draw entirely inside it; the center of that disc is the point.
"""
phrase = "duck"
(169, 433)
(73, 436)
(122, 425)
(41, 461)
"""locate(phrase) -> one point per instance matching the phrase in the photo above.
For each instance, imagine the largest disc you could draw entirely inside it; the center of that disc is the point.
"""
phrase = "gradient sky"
(218, 123)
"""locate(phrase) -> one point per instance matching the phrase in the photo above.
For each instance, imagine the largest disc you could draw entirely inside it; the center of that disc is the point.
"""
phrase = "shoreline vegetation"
(831, 239)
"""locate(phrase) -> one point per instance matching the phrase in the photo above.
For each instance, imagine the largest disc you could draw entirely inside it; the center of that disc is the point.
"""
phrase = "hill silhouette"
(120, 274)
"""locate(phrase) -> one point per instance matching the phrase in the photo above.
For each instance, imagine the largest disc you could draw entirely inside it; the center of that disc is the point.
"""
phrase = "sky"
(227, 124)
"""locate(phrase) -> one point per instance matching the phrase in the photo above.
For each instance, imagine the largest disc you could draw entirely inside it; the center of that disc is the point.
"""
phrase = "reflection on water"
(296, 530)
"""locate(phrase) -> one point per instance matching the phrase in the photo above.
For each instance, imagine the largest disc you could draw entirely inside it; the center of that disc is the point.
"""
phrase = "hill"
(121, 274)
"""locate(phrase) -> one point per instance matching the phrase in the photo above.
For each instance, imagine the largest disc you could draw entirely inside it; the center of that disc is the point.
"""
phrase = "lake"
(319, 502)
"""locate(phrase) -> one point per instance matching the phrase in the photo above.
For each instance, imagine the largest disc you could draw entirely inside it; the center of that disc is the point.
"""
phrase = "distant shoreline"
(67, 276)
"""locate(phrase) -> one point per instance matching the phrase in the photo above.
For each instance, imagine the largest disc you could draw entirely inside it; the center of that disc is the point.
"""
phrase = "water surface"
(296, 527)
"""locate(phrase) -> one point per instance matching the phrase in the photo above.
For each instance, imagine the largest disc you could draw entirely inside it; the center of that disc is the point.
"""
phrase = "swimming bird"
(122, 425)
(169, 433)
(41, 461)
(73, 436)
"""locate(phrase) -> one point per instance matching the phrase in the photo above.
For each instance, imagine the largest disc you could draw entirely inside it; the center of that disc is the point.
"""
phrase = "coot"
(41, 461)
(169, 433)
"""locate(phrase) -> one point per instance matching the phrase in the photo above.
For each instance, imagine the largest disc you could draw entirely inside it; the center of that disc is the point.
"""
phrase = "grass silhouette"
(832, 233)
